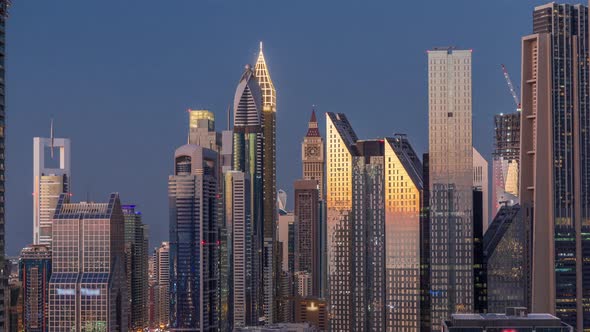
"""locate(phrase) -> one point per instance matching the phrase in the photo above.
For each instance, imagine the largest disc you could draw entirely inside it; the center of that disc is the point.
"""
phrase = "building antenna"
(228, 117)
(51, 138)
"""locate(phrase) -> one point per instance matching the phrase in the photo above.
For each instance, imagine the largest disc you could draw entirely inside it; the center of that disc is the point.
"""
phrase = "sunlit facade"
(194, 247)
(49, 182)
(202, 130)
(451, 181)
(313, 158)
(269, 186)
(340, 150)
(403, 187)
(87, 289)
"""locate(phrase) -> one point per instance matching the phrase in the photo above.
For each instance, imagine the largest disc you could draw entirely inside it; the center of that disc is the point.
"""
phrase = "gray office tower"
(555, 160)
(451, 181)
(194, 247)
(3, 269)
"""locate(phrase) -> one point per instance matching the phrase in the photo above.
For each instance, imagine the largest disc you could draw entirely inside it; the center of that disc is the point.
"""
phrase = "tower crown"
(269, 94)
(312, 129)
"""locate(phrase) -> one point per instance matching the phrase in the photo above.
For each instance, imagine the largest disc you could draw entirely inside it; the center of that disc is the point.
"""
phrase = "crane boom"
(511, 87)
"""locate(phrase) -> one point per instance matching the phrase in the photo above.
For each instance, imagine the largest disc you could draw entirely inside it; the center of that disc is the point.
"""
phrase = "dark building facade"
(506, 159)
(515, 319)
(34, 274)
(504, 252)
(307, 231)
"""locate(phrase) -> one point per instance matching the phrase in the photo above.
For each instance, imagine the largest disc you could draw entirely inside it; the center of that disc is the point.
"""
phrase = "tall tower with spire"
(269, 184)
(312, 154)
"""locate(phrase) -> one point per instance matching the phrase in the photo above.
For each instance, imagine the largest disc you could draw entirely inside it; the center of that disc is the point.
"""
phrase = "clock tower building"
(313, 155)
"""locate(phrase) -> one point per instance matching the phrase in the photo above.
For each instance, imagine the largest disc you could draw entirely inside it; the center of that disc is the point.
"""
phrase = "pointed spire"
(312, 128)
(269, 94)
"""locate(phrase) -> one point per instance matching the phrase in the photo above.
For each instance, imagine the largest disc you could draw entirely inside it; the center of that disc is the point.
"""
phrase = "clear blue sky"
(118, 76)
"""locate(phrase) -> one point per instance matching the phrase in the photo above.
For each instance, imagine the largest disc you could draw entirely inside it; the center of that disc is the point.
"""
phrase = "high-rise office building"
(481, 183)
(515, 319)
(312, 150)
(34, 273)
(504, 248)
(307, 232)
(242, 310)
(51, 178)
(269, 187)
(248, 159)
(451, 182)
(479, 270)
(340, 150)
(3, 271)
(313, 311)
(194, 247)
(162, 285)
(506, 160)
(136, 255)
(87, 288)
(555, 144)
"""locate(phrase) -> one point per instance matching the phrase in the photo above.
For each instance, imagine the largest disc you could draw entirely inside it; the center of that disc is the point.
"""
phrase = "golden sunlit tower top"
(269, 94)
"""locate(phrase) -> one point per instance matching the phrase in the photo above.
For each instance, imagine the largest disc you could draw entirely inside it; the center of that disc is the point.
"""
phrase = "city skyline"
(283, 56)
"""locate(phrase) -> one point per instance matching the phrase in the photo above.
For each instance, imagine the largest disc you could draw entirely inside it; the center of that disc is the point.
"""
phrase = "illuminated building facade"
(313, 311)
(269, 188)
(194, 246)
(555, 143)
(403, 188)
(136, 254)
(451, 182)
(506, 160)
(340, 150)
(49, 182)
(34, 273)
(87, 288)
(162, 285)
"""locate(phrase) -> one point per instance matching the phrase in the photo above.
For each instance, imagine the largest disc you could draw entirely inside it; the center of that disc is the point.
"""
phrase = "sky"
(118, 76)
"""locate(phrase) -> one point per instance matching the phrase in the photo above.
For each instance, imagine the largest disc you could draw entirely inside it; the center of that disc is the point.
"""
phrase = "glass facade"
(451, 181)
(87, 289)
(194, 247)
(34, 273)
(506, 159)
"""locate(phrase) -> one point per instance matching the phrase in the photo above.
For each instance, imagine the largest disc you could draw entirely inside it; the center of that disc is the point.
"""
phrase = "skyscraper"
(403, 203)
(34, 273)
(312, 150)
(202, 130)
(51, 178)
(136, 255)
(504, 247)
(247, 149)
(269, 187)
(162, 288)
(242, 310)
(340, 150)
(555, 143)
(194, 247)
(307, 232)
(451, 181)
(87, 289)
(506, 160)
(3, 271)
(481, 183)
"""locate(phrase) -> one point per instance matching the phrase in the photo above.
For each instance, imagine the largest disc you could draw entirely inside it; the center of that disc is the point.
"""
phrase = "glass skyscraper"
(451, 181)
(506, 160)
(34, 273)
(194, 246)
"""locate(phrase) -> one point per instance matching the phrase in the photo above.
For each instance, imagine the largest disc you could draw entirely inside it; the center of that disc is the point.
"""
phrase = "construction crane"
(512, 90)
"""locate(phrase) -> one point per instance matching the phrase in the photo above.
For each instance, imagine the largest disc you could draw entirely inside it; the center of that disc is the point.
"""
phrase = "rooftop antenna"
(51, 138)
(228, 117)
